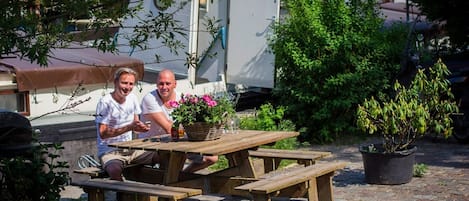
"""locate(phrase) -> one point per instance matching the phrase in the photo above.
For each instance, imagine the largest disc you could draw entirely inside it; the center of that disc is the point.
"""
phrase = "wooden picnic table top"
(227, 143)
(234, 146)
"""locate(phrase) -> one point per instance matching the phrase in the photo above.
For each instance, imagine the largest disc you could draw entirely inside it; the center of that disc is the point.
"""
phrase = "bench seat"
(93, 172)
(313, 182)
(273, 157)
(134, 190)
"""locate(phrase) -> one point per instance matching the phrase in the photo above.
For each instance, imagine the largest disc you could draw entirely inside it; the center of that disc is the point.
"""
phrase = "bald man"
(156, 108)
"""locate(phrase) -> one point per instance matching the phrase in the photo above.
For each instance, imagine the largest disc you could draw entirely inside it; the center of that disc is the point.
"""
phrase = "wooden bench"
(93, 172)
(313, 182)
(134, 190)
(273, 157)
(98, 172)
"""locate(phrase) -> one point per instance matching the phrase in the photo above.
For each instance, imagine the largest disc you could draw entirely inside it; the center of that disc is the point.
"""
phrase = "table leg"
(175, 163)
(242, 163)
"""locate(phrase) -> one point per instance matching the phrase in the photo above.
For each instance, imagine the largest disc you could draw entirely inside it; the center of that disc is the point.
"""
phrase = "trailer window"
(15, 101)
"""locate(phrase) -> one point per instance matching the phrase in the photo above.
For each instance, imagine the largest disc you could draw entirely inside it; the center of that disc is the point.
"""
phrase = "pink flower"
(173, 104)
(207, 98)
(194, 99)
(212, 103)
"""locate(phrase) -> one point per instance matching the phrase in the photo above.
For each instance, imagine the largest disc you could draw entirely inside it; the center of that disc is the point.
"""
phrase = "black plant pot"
(388, 168)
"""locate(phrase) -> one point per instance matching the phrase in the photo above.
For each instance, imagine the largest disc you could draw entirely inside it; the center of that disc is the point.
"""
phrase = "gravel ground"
(447, 177)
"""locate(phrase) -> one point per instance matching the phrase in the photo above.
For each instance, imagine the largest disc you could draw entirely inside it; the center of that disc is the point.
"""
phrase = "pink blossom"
(212, 103)
(173, 104)
(207, 98)
(194, 99)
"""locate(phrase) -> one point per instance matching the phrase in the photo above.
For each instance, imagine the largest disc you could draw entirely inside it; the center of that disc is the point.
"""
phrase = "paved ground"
(447, 178)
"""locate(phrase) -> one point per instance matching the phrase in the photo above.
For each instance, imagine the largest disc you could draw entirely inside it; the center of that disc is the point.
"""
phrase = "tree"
(330, 55)
(30, 28)
(452, 14)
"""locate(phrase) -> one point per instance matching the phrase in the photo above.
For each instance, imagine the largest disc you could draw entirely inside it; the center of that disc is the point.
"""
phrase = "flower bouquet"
(202, 117)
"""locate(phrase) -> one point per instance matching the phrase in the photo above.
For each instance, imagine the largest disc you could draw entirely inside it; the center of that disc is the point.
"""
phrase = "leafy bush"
(330, 55)
(422, 108)
(268, 118)
(38, 177)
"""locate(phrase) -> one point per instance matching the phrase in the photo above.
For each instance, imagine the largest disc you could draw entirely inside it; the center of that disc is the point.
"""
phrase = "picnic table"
(239, 178)
(234, 146)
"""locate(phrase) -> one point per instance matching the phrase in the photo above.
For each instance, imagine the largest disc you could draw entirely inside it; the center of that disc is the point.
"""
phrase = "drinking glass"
(233, 124)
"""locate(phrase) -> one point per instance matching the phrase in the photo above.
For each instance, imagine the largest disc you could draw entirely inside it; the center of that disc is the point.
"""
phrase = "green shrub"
(268, 118)
(330, 56)
(39, 177)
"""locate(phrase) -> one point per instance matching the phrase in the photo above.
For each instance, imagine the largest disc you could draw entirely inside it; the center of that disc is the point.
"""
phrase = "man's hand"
(139, 126)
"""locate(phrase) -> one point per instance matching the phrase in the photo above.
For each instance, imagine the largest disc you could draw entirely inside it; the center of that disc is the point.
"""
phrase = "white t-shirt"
(152, 103)
(115, 115)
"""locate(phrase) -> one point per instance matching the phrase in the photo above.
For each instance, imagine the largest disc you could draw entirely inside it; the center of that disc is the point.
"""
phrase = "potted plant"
(203, 117)
(412, 112)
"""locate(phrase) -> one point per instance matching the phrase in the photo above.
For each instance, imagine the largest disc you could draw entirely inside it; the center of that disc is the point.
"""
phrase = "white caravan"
(242, 59)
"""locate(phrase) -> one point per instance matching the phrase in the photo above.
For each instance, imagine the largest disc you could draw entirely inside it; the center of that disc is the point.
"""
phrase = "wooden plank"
(288, 154)
(290, 178)
(273, 157)
(142, 188)
(226, 144)
(249, 141)
(92, 171)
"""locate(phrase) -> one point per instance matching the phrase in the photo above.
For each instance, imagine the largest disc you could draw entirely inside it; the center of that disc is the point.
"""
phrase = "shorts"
(129, 156)
(196, 158)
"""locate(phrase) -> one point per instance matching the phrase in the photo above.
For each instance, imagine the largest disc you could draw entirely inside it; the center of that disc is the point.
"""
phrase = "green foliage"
(422, 108)
(268, 118)
(419, 170)
(40, 176)
(330, 56)
(30, 28)
(221, 164)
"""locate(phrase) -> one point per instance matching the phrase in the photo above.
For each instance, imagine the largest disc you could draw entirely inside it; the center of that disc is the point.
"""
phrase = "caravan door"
(249, 61)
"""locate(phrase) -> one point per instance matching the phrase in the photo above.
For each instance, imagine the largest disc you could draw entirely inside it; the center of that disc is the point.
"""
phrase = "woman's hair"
(123, 70)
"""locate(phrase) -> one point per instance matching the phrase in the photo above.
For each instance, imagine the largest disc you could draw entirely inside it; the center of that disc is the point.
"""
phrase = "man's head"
(124, 81)
(166, 83)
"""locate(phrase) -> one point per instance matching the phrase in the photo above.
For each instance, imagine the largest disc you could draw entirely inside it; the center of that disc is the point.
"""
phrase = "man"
(116, 119)
(156, 108)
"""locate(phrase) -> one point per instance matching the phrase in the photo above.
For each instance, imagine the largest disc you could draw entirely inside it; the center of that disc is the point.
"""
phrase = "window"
(15, 101)
(203, 5)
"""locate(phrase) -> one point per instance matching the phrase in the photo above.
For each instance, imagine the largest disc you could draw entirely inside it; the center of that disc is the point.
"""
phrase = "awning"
(67, 67)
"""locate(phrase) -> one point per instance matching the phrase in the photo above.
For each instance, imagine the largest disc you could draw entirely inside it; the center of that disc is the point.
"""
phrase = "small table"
(234, 146)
